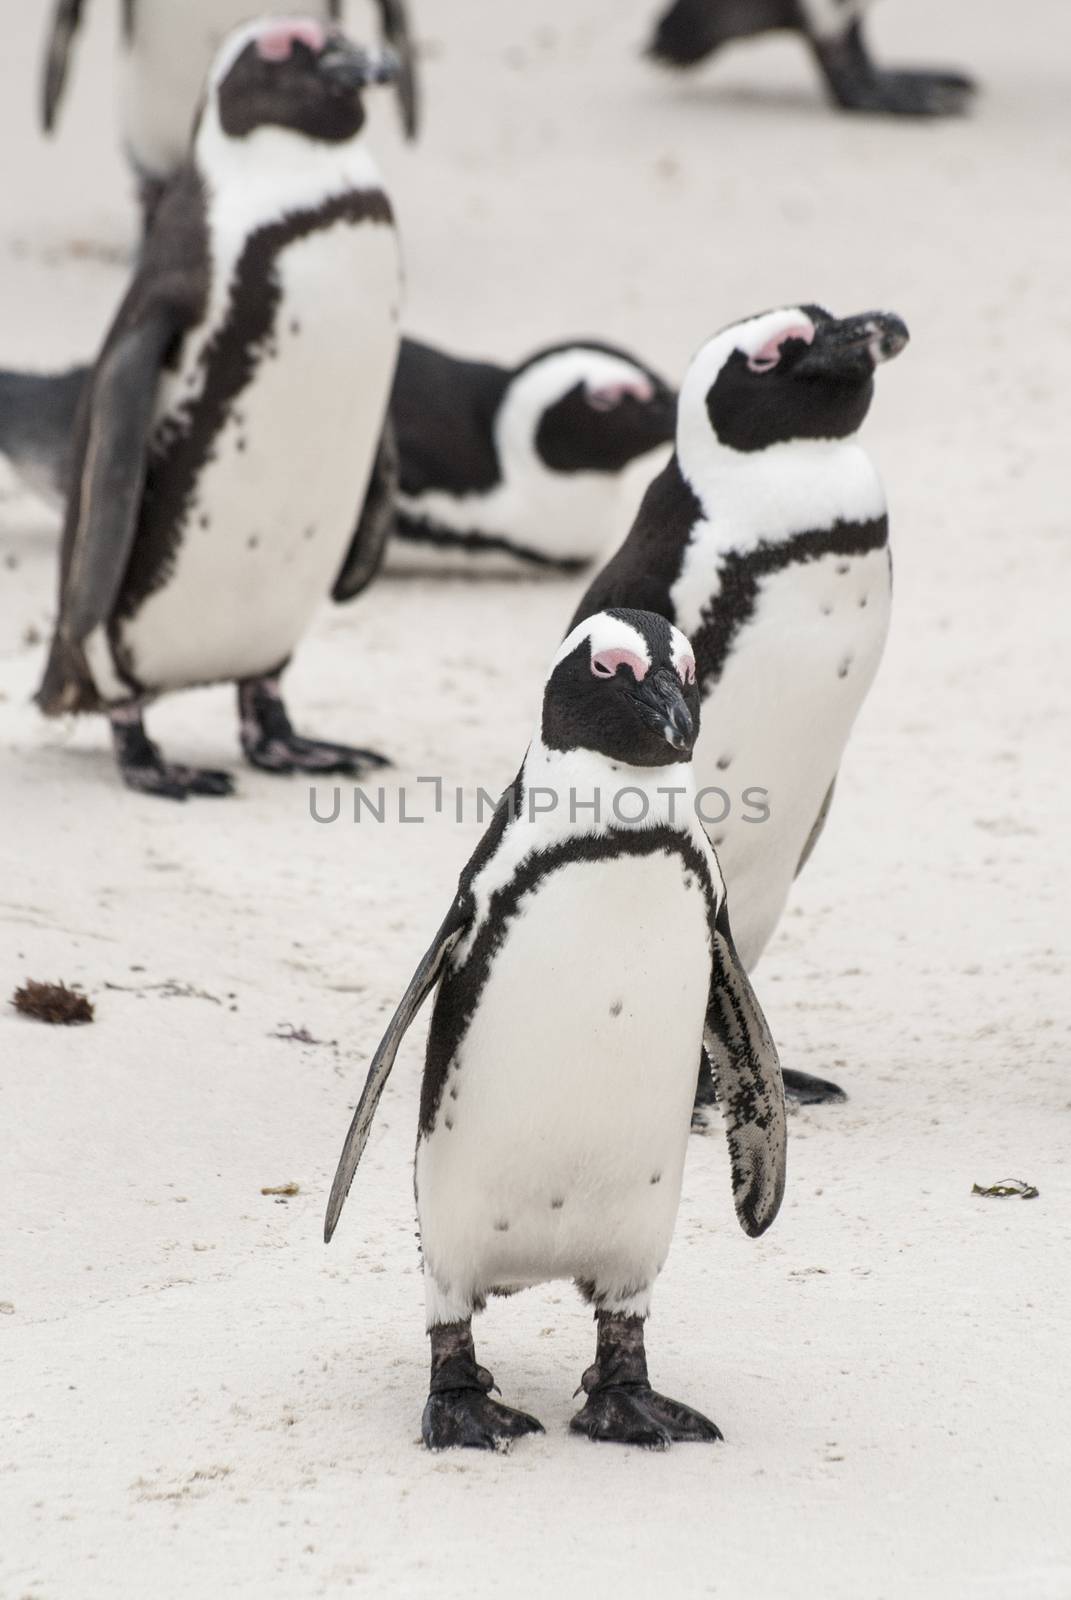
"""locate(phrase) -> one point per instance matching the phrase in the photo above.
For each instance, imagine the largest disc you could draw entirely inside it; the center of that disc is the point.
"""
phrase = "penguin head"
(589, 408)
(797, 373)
(624, 686)
(295, 73)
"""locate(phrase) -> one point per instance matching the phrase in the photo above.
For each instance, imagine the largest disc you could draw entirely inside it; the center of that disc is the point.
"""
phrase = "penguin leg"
(621, 1406)
(691, 30)
(800, 1087)
(459, 1412)
(269, 740)
(144, 768)
(857, 84)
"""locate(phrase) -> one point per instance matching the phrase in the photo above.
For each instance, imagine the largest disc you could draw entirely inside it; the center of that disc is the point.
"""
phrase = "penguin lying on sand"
(498, 470)
(765, 539)
(585, 964)
(518, 470)
(691, 30)
(234, 417)
(166, 49)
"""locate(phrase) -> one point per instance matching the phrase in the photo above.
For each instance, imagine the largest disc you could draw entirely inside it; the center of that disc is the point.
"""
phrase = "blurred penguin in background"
(165, 50)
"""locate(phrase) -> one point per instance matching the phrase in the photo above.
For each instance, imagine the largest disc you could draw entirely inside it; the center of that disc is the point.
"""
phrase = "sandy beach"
(197, 1398)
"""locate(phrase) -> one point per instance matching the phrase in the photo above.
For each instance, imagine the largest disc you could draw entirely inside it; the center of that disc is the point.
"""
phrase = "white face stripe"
(549, 380)
(696, 441)
(605, 633)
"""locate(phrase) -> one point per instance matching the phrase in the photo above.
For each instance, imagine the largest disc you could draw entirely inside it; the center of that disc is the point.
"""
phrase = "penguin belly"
(273, 509)
(778, 719)
(538, 522)
(558, 1145)
(163, 68)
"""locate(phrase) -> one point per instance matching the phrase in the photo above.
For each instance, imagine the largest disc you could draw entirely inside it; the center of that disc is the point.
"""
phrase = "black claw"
(636, 1414)
(467, 1419)
(808, 1091)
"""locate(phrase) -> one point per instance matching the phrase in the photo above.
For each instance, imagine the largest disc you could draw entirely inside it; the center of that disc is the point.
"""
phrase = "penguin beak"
(660, 701)
(852, 347)
(349, 67)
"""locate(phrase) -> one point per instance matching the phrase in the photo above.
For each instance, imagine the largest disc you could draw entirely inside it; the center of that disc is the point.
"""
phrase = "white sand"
(196, 1398)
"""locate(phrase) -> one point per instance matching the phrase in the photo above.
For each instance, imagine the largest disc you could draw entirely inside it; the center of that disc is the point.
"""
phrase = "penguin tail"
(685, 34)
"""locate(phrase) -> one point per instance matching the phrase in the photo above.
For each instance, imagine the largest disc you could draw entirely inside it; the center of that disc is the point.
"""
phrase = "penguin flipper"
(105, 498)
(747, 1072)
(65, 22)
(394, 23)
(816, 832)
(421, 984)
(375, 524)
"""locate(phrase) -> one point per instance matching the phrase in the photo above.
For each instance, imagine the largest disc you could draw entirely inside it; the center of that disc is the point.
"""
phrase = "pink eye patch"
(609, 395)
(685, 666)
(606, 663)
(277, 44)
(766, 358)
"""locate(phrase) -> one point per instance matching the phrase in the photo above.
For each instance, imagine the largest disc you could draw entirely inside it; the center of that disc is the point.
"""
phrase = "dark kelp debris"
(1006, 1187)
(285, 1189)
(292, 1035)
(52, 1002)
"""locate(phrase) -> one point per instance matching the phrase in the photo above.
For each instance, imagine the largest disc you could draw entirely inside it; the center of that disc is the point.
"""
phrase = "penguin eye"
(766, 358)
(606, 663)
(686, 669)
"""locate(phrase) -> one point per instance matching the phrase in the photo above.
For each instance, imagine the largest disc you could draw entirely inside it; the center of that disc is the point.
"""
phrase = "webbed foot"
(621, 1406)
(270, 742)
(142, 766)
(469, 1419)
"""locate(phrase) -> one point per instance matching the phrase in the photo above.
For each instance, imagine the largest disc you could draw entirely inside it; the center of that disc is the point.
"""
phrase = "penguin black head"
(797, 373)
(595, 408)
(297, 74)
(623, 685)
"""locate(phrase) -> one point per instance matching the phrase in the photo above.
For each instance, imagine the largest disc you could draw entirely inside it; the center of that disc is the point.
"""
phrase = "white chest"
(272, 511)
(162, 71)
(566, 1116)
(776, 723)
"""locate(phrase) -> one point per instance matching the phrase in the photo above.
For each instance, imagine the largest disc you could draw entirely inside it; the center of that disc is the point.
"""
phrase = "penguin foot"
(621, 1406)
(856, 84)
(469, 1419)
(270, 743)
(142, 767)
(808, 1091)
(636, 1414)
(296, 754)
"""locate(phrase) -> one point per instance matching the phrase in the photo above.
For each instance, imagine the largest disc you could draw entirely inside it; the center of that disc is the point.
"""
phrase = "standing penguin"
(585, 964)
(765, 539)
(166, 49)
(498, 470)
(233, 420)
(518, 470)
(691, 30)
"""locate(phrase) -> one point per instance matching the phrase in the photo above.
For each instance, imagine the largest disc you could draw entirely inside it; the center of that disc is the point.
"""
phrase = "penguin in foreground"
(765, 539)
(585, 965)
(499, 470)
(518, 471)
(235, 417)
(166, 49)
(691, 30)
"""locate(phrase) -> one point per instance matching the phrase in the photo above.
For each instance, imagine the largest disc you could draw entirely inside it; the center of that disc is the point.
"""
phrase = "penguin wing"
(395, 25)
(816, 832)
(65, 22)
(375, 524)
(747, 1072)
(421, 984)
(106, 494)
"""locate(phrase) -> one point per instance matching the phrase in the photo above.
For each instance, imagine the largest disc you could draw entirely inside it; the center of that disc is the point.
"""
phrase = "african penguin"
(518, 470)
(498, 470)
(585, 966)
(765, 539)
(235, 416)
(166, 49)
(691, 30)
